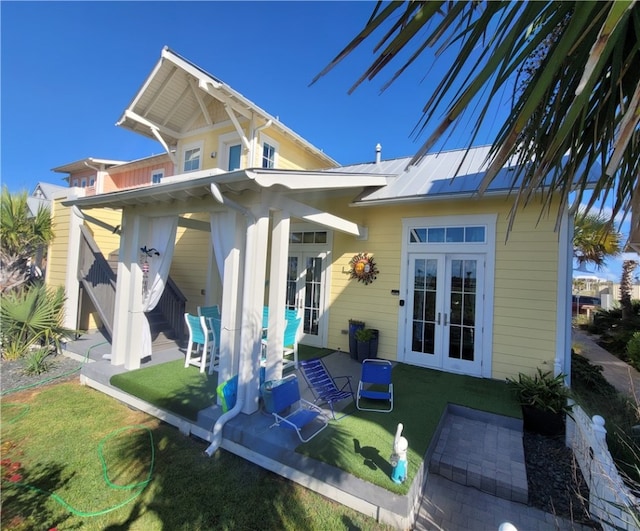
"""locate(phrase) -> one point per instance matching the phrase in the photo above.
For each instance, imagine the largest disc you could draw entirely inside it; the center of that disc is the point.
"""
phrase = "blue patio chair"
(289, 342)
(209, 311)
(375, 384)
(201, 345)
(293, 412)
(323, 385)
(212, 319)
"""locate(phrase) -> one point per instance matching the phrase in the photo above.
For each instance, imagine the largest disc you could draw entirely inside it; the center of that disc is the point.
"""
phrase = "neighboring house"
(260, 216)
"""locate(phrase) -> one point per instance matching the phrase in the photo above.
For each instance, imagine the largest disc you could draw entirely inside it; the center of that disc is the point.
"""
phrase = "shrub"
(633, 350)
(32, 316)
(542, 391)
(36, 361)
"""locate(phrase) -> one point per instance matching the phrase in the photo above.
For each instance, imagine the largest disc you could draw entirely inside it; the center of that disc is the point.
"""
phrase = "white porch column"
(255, 263)
(72, 285)
(127, 340)
(277, 293)
(231, 307)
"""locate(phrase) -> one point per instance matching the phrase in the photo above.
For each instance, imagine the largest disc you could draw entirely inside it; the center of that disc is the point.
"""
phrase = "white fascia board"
(307, 180)
(308, 213)
(142, 90)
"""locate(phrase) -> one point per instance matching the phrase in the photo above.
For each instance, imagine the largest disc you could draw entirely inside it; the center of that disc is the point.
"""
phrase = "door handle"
(438, 320)
(445, 320)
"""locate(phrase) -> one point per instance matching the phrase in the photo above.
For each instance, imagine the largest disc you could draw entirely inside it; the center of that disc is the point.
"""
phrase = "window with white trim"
(92, 181)
(192, 157)
(75, 183)
(231, 150)
(270, 150)
(83, 183)
(156, 176)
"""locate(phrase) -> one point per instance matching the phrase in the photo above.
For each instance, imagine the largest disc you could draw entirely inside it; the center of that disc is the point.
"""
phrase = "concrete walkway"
(622, 376)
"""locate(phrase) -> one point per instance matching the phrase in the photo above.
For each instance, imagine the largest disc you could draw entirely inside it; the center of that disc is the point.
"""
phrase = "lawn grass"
(55, 433)
(362, 442)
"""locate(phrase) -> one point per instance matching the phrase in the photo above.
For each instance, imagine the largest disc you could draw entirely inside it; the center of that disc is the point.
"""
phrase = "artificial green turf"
(183, 391)
(305, 352)
(171, 386)
(362, 442)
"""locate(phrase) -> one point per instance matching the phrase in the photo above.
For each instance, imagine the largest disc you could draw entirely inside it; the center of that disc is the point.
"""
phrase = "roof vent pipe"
(378, 152)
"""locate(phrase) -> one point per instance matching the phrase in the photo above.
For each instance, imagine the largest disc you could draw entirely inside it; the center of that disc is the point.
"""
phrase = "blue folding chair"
(375, 384)
(323, 385)
(293, 412)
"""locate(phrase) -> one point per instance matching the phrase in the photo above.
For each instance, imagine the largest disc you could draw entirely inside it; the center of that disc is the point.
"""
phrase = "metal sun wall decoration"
(363, 268)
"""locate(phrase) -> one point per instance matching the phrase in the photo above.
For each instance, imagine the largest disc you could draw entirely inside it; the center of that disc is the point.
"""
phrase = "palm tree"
(594, 239)
(626, 282)
(572, 67)
(21, 235)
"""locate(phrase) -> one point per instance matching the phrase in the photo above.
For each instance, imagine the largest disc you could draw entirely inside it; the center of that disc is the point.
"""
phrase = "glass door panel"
(464, 314)
(424, 299)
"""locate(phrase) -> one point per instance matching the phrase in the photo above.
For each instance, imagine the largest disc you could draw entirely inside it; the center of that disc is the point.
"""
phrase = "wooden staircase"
(97, 276)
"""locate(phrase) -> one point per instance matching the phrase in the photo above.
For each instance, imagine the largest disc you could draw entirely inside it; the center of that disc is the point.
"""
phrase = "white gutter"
(216, 432)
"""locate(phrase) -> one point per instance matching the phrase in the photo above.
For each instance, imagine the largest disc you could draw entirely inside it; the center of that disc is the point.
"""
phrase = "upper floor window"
(235, 152)
(192, 157)
(83, 183)
(268, 155)
(269, 152)
(156, 176)
(75, 182)
(92, 181)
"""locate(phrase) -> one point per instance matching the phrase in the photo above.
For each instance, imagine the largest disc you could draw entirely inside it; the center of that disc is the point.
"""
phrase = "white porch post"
(72, 286)
(255, 263)
(231, 308)
(127, 341)
(277, 293)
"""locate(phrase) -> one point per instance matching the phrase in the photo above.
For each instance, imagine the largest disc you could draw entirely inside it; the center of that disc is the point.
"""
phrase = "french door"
(444, 312)
(306, 293)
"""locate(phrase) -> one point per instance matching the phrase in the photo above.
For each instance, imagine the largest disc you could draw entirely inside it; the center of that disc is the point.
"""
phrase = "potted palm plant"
(364, 337)
(544, 399)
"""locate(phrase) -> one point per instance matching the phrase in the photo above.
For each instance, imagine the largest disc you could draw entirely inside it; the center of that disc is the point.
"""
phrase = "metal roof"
(446, 174)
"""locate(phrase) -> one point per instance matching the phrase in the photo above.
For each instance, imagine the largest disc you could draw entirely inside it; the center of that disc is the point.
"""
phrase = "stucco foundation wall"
(525, 284)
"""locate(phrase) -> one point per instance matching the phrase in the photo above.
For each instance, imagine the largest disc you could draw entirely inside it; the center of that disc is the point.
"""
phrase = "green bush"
(615, 333)
(37, 362)
(542, 391)
(30, 317)
(633, 350)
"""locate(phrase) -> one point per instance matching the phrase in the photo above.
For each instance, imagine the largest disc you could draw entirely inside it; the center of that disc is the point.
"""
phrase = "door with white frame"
(306, 283)
(446, 309)
(446, 314)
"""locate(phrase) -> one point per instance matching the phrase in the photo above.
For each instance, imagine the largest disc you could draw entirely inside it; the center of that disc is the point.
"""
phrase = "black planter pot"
(353, 344)
(543, 422)
(364, 350)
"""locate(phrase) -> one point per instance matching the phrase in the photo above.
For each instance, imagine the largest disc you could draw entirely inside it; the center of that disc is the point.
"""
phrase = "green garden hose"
(47, 380)
(138, 487)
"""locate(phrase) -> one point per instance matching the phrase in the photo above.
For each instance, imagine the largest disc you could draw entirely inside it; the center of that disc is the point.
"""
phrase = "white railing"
(610, 501)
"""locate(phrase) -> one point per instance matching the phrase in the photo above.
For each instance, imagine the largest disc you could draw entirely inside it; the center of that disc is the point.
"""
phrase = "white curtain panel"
(223, 230)
(161, 235)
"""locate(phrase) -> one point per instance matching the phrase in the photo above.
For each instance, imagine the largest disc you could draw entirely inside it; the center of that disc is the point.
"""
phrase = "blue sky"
(69, 69)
